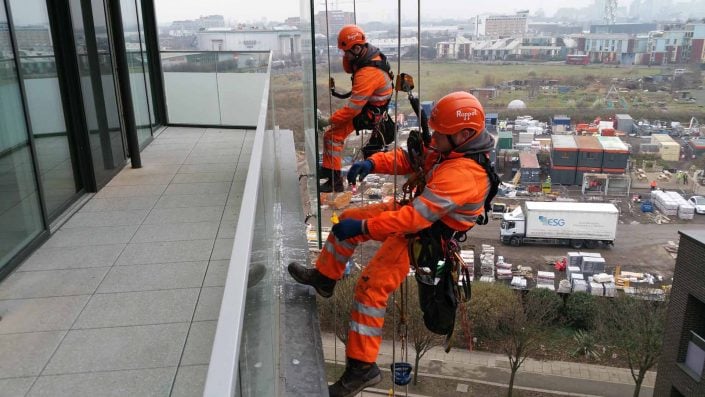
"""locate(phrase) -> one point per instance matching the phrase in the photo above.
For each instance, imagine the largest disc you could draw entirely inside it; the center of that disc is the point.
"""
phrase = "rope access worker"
(367, 101)
(452, 200)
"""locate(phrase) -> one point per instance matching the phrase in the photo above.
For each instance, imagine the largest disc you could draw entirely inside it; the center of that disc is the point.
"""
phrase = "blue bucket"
(402, 373)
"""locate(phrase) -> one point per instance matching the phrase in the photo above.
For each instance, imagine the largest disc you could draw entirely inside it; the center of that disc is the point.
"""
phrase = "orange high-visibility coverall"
(370, 85)
(455, 194)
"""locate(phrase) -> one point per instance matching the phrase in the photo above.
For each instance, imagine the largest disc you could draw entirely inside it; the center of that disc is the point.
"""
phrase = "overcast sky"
(367, 10)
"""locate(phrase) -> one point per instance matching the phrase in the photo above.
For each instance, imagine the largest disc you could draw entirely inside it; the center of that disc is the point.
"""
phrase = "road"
(638, 247)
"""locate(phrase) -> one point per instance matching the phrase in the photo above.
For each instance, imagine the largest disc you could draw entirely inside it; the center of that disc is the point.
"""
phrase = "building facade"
(506, 25)
(284, 43)
(680, 369)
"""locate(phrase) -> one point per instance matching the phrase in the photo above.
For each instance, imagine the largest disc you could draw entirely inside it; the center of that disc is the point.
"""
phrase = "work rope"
(402, 316)
(330, 112)
(403, 292)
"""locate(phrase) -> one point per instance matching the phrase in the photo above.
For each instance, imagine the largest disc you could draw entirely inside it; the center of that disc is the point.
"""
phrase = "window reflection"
(56, 166)
(98, 89)
(136, 62)
(20, 213)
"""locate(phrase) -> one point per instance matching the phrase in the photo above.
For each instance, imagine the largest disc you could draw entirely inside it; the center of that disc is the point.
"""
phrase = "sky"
(367, 10)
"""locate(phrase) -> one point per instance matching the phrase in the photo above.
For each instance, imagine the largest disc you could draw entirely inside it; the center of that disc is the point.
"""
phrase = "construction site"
(558, 160)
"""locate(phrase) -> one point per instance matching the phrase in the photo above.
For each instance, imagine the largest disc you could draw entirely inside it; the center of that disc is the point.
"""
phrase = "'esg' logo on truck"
(551, 221)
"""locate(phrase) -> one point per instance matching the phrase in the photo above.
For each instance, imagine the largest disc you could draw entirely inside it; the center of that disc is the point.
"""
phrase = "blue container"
(402, 373)
(647, 206)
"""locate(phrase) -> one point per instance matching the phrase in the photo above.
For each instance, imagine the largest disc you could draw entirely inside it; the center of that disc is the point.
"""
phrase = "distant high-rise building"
(506, 25)
(337, 20)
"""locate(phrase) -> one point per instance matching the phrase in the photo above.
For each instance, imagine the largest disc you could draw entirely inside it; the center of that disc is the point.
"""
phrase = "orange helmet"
(455, 112)
(349, 36)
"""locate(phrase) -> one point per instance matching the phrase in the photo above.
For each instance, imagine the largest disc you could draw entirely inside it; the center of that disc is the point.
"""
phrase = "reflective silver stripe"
(471, 206)
(337, 144)
(358, 98)
(462, 217)
(365, 329)
(333, 153)
(444, 202)
(347, 244)
(328, 246)
(386, 86)
(423, 209)
(380, 98)
(353, 105)
(369, 311)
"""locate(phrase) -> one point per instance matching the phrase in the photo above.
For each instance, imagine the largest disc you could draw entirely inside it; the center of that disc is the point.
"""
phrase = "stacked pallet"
(487, 263)
(602, 284)
(579, 285)
(518, 282)
(546, 280)
(564, 286)
(592, 265)
(666, 202)
(503, 269)
(574, 258)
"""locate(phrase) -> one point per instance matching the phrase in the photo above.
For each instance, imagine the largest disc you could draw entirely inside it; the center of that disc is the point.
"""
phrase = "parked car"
(699, 203)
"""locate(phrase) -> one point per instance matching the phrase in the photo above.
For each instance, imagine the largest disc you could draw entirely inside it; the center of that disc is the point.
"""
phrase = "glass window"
(57, 168)
(147, 66)
(136, 60)
(98, 89)
(20, 212)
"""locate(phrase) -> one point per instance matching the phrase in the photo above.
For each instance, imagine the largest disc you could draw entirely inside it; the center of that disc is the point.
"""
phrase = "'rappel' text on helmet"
(465, 115)
(349, 36)
(455, 112)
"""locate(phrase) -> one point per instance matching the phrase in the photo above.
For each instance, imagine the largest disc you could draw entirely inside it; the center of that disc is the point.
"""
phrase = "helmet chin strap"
(453, 145)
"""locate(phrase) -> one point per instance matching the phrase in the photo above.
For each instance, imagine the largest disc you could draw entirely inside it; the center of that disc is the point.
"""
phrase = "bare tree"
(636, 327)
(523, 327)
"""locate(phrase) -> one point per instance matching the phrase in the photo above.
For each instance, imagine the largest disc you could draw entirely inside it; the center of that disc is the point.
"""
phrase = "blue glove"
(359, 170)
(347, 228)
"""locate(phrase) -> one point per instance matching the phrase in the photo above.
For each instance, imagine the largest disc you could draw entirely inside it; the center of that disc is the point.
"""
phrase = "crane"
(694, 127)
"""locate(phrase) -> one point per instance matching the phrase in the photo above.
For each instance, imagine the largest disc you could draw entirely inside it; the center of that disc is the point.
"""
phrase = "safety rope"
(402, 322)
(330, 113)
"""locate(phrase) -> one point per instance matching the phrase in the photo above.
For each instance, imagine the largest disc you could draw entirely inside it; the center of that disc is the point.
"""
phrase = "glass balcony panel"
(214, 88)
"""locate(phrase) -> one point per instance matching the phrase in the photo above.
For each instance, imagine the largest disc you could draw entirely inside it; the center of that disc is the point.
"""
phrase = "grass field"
(585, 99)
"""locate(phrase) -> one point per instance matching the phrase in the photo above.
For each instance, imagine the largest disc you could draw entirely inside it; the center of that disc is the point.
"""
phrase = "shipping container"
(564, 151)
(589, 152)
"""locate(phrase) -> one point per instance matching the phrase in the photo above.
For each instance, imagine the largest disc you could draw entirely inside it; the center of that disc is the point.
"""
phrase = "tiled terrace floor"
(123, 299)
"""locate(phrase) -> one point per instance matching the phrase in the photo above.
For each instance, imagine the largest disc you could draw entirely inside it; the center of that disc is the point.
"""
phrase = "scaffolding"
(606, 184)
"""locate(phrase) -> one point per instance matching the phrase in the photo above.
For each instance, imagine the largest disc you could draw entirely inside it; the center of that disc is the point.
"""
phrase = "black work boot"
(333, 184)
(357, 376)
(323, 285)
(325, 173)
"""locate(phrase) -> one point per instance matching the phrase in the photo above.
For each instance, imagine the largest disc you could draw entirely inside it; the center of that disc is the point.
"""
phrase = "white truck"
(580, 225)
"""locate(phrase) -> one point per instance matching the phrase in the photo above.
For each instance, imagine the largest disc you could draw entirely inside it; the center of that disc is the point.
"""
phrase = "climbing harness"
(434, 254)
(374, 118)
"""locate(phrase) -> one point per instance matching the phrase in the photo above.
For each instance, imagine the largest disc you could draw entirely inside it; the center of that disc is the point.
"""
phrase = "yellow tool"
(334, 218)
